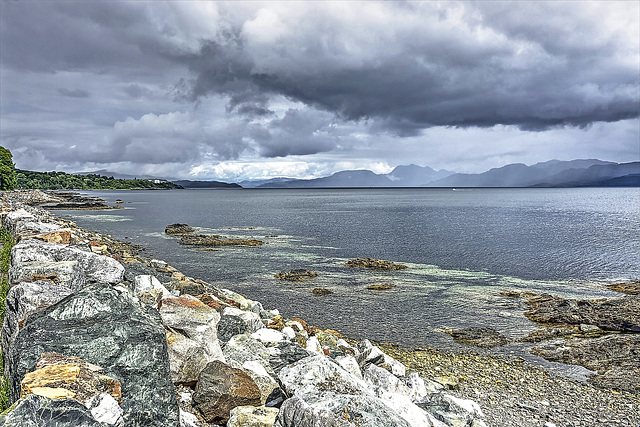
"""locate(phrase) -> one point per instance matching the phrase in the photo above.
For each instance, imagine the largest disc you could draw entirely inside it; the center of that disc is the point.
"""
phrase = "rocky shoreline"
(96, 335)
(212, 346)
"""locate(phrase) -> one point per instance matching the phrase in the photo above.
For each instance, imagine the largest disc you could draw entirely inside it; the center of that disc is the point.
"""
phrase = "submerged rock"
(296, 275)
(614, 314)
(214, 240)
(106, 327)
(481, 337)
(322, 291)
(381, 286)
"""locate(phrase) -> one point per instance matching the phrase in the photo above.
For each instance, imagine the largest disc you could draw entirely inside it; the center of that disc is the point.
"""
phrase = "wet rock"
(481, 337)
(97, 268)
(632, 288)
(375, 264)
(250, 416)
(57, 376)
(229, 326)
(179, 229)
(615, 358)
(614, 314)
(107, 327)
(322, 291)
(381, 286)
(34, 410)
(209, 240)
(296, 275)
(221, 388)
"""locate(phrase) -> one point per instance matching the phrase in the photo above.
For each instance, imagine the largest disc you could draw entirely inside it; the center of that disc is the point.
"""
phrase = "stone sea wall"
(94, 335)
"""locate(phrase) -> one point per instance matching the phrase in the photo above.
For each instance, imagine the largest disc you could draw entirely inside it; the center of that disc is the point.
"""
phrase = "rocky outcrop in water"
(179, 229)
(375, 264)
(127, 333)
(296, 275)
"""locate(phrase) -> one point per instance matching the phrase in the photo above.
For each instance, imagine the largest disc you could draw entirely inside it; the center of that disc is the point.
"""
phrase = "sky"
(256, 90)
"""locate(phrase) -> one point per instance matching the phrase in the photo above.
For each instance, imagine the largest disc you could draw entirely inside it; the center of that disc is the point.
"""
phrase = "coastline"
(511, 392)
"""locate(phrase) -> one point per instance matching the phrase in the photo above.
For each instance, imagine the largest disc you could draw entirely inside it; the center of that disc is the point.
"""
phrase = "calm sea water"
(462, 248)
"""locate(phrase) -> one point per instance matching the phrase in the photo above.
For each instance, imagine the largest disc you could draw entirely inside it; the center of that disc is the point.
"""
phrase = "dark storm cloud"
(524, 64)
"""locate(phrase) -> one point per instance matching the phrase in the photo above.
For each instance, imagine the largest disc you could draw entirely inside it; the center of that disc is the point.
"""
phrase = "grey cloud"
(136, 91)
(74, 93)
(524, 78)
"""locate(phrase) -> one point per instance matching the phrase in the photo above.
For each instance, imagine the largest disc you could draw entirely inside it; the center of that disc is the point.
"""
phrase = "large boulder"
(251, 319)
(67, 273)
(230, 326)
(192, 336)
(107, 327)
(23, 300)
(330, 391)
(221, 388)
(36, 411)
(97, 268)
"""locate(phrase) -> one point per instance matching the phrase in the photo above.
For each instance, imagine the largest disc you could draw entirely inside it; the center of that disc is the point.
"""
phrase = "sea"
(462, 247)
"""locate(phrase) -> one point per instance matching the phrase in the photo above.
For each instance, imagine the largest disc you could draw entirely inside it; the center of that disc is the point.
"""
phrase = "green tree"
(7, 170)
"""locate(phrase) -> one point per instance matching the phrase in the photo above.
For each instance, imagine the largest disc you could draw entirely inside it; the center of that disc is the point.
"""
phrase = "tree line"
(12, 178)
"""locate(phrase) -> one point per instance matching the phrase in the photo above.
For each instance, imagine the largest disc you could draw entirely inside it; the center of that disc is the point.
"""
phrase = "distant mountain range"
(554, 173)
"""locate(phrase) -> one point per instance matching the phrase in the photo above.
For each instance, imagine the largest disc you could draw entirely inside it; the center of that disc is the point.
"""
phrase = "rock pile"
(109, 339)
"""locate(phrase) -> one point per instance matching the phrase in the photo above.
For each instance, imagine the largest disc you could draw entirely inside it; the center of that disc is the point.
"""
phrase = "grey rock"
(286, 353)
(13, 220)
(107, 327)
(373, 355)
(451, 410)
(38, 411)
(67, 273)
(193, 341)
(250, 416)
(97, 268)
(24, 299)
(243, 348)
(295, 412)
(133, 269)
(229, 326)
(251, 319)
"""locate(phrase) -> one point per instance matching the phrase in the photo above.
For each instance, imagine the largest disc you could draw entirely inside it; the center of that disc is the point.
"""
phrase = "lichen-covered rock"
(37, 411)
(60, 376)
(250, 416)
(23, 300)
(97, 268)
(221, 388)
(107, 327)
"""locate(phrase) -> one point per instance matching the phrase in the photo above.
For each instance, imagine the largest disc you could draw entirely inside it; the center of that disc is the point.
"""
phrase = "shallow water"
(462, 248)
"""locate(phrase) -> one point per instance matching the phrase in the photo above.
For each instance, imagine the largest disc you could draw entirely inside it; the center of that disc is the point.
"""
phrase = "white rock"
(252, 319)
(268, 336)
(313, 345)
(384, 381)
(373, 355)
(188, 419)
(288, 332)
(105, 409)
(349, 364)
